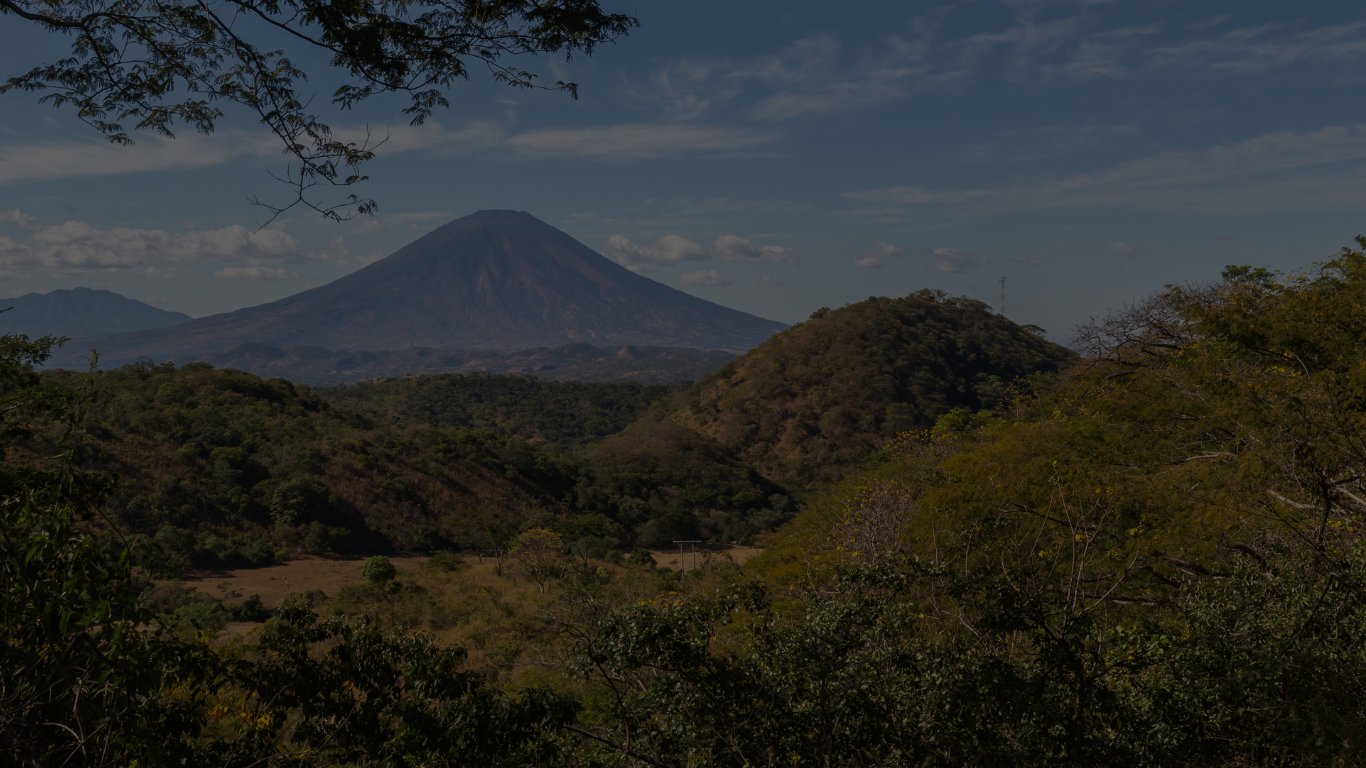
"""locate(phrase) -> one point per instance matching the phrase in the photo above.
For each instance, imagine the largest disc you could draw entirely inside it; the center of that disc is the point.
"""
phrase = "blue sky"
(776, 157)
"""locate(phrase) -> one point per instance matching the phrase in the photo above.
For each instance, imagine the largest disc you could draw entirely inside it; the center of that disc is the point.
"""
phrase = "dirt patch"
(276, 582)
(668, 558)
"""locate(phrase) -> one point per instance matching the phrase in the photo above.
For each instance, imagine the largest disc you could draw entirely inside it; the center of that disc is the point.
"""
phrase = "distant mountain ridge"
(79, 312)
(492, 280)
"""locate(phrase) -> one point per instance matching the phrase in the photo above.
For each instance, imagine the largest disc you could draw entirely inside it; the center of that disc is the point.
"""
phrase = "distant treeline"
(566, 414)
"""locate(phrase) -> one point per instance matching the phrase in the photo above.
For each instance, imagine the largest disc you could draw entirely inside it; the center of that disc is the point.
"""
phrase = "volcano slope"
(491, 280)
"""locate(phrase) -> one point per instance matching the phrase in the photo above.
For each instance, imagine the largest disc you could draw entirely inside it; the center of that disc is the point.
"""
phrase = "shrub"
(446, 561)
(251, 609)
(378, 570)
(639, 558)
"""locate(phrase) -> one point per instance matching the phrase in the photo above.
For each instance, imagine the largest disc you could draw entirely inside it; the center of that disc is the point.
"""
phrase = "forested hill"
(812, 402)
(226, 468)
(567, 414)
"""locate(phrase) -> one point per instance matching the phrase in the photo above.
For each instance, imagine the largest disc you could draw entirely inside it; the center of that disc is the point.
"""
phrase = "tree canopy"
(156, 64)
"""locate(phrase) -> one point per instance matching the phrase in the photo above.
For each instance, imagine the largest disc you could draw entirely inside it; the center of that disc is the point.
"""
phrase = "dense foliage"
(672, 483)
(224, 468)
(1156, 558)
(94, 677)
(814, 401)
(566, 414)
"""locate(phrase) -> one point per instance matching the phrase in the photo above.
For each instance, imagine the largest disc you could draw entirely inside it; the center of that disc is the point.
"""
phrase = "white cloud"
(77, 248)
(1127, 250)
(673, 249)
(871, 258)
(1028, 262)
(668, 250)
(255, 273)
(79, 242)
(774, 282)
(733, 248)
(704, 278)
(17, 216)
(954, 260)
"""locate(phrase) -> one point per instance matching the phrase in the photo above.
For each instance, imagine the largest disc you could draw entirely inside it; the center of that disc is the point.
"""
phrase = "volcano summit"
(491, 280)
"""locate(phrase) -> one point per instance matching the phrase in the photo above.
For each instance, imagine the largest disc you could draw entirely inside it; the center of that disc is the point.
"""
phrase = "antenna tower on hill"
(1003, 297)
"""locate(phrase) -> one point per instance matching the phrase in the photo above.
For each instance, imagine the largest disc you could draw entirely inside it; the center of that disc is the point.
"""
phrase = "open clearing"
(307, 573)
(329, 574)
(276, 582)
(668, 558)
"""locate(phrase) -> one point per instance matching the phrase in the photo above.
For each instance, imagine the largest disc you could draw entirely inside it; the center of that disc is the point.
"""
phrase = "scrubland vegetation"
(1153, 556)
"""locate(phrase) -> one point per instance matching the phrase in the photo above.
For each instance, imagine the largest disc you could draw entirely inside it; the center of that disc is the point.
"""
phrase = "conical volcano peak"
(495, 279)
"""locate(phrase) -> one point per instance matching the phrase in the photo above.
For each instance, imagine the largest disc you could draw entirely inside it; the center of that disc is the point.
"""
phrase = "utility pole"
(1003, 297)
(680, 544)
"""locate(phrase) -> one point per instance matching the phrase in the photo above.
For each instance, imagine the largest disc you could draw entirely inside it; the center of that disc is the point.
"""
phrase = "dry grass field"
(493, 616)
(668, 558)
(276, 582)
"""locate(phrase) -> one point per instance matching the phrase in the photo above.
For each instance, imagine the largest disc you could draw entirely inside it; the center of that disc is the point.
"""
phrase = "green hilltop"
(813, 402)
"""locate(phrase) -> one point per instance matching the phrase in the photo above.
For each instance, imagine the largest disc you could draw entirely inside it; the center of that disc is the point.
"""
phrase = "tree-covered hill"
(247, 467)
(222, 467)
(678, 484)
(812, 402)
(567, 414)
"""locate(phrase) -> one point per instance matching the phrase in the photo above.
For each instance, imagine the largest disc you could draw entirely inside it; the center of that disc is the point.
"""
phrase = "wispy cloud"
(1254, 50)
(1127, 250)
(823, 75)
(255, 273)
(1285, 171)
(621, 143)
(23, 163)
(666, 251)
(815, 75)
(733, 248)
(871, 258)
(673, 249)
(704, 278)
(415, 220)
(954, 260)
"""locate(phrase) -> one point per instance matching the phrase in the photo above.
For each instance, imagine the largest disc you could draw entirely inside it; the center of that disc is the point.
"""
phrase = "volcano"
(498, 280)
